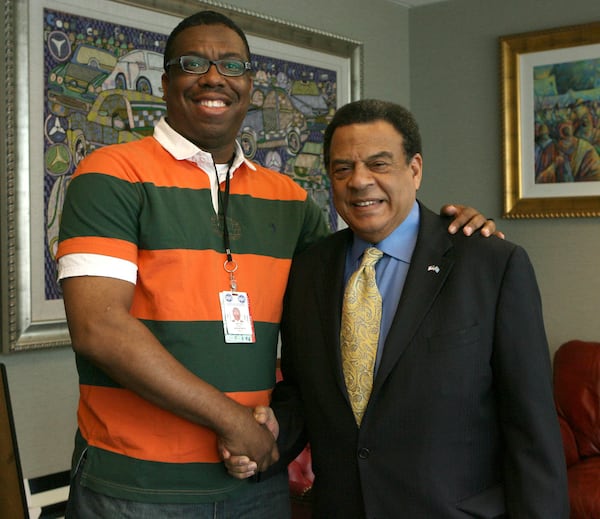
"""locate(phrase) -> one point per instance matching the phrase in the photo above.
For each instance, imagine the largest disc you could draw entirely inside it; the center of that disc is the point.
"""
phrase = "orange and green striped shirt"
(135, 202)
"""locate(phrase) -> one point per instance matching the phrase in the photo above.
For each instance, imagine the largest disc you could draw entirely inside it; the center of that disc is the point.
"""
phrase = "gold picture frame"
(536, 69)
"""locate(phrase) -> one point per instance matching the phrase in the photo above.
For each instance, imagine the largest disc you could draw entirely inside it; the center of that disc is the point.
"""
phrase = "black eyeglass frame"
(216, 63)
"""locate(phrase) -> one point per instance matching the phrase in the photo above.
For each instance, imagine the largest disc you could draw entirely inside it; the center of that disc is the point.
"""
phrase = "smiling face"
(208, 109)
(374, 187)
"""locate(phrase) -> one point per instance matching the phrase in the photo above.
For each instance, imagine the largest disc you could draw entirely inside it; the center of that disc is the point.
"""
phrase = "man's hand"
(470, 219)
(241, 466)
(251, 440)
(265, 416)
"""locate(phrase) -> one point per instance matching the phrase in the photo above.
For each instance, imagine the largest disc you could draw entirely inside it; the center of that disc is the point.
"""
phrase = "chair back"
(13, 502)
(577, 392)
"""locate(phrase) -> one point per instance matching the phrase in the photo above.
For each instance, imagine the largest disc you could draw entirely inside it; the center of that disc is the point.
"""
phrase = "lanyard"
(230, 264)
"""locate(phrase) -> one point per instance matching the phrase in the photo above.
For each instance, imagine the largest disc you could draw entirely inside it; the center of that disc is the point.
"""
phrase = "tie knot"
(371, 256)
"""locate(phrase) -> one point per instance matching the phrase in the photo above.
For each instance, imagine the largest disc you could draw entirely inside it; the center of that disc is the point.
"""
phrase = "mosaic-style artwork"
(102, 85)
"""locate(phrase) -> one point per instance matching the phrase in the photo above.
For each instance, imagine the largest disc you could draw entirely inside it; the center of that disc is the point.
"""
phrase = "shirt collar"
(183, 149)
(400, 244)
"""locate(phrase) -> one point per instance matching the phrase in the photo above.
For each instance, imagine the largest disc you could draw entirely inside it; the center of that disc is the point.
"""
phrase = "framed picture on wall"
(551, 122)
(81, 75)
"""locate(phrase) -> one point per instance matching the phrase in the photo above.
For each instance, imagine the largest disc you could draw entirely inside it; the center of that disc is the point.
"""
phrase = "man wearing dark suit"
(460, 420)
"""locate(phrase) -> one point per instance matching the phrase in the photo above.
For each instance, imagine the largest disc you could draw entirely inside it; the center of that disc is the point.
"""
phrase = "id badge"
(237, 320)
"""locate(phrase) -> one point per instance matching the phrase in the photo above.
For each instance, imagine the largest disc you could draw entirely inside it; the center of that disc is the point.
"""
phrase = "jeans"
(268, 499)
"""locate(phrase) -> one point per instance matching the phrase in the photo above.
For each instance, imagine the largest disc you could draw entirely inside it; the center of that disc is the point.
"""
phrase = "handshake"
(258, 449)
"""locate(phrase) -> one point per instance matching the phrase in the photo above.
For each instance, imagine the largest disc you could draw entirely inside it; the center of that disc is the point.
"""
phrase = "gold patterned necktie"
(361, 316)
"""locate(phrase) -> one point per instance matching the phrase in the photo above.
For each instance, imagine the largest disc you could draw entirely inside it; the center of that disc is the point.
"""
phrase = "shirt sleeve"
(314, 227)
(74, 265)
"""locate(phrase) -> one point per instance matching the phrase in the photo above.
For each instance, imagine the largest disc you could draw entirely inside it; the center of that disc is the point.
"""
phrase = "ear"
(416, 166)
(165, 85)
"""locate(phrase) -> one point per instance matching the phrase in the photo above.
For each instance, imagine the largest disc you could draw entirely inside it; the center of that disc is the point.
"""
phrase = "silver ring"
(230, 270)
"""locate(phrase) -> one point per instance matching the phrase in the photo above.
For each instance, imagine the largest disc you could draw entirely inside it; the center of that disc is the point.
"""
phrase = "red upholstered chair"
(301, 479)
(300, 474)
(577, 397)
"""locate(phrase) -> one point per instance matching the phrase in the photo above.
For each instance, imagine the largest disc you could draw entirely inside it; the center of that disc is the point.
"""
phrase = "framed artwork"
(79, 77)
(551, 122)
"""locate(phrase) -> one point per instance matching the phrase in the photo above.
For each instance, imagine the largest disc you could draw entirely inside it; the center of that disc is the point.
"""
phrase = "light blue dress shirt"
(390, 270)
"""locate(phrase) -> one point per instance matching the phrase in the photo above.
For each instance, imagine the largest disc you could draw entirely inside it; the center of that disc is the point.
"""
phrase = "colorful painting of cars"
(102, 85)
(291, 104)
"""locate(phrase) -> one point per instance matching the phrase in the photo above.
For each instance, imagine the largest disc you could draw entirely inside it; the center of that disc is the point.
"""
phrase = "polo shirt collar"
(183, 149)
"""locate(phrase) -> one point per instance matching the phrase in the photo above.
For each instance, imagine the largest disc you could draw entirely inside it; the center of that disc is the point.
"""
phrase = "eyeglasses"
(196, 65)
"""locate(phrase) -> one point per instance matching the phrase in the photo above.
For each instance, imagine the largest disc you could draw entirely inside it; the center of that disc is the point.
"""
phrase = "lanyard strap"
(230, 265)
(223, 203)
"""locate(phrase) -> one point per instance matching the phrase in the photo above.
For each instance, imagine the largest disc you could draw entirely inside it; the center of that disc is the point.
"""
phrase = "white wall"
(455, 94)
(380, 24)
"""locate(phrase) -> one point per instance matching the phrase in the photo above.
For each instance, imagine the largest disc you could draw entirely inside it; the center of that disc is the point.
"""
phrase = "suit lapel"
(430, 265)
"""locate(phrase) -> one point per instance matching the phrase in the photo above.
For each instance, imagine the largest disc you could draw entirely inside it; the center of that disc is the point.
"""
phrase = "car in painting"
(116, 116)
(272, 121)
(313, 103)
(308, 99)
(139, 70)
(74, 85)
(308, 168)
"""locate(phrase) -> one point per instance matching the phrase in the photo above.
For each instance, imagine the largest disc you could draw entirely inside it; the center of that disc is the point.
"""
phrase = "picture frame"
(550, 82)
(32, 310)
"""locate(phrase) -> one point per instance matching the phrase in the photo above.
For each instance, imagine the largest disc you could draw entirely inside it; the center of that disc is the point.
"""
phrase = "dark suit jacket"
(461, 421)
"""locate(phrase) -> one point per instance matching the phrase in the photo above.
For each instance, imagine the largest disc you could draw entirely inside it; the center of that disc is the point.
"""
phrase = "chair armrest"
(569, 443)
(300, 473)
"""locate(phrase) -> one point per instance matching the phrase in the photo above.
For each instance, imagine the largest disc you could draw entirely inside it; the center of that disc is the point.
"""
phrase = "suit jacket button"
(363, 453)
